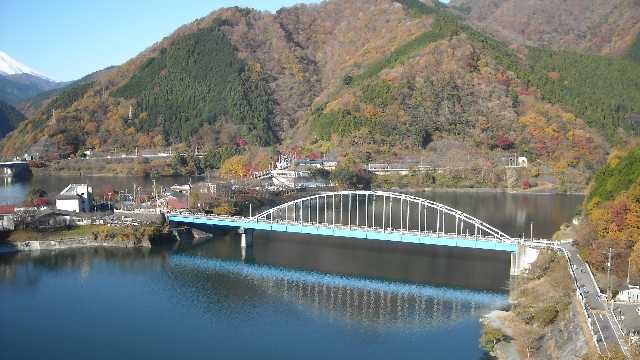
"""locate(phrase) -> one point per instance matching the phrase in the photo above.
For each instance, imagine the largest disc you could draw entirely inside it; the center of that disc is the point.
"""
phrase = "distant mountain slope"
(18, 87)
(32, 105)
(19, 82)
(607, 27)
(9, 118)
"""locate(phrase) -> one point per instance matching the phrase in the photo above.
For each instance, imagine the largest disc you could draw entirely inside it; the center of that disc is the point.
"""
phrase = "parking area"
(628, 315)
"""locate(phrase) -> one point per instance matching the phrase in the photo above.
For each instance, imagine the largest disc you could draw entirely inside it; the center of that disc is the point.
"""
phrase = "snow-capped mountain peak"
(9, 66)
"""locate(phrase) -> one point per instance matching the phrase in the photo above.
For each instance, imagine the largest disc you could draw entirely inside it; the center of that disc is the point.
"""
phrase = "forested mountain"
(375, 79)
(9, 118)
(606, 27)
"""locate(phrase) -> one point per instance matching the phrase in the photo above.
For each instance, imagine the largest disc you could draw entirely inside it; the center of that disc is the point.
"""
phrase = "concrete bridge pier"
(522, 258)
(246, 243)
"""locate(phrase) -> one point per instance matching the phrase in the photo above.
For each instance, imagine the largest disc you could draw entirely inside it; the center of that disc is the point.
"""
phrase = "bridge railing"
(245, 221)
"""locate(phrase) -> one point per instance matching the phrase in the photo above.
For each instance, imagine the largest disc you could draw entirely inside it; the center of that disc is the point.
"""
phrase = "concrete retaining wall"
(68, 243)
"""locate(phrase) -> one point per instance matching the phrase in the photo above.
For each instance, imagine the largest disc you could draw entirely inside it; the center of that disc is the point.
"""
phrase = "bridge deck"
(413, 237)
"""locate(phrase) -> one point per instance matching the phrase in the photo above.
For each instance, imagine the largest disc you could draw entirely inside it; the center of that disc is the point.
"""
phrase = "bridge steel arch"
(302, 211)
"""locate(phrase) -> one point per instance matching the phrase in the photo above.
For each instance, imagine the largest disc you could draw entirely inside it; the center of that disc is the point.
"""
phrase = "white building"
(76, 198)
(631, 295)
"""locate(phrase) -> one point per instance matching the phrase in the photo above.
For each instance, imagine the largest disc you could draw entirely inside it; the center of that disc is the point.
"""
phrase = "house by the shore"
(75, 198)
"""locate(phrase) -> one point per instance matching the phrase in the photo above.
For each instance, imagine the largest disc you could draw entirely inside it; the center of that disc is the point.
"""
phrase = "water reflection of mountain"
(218, 283)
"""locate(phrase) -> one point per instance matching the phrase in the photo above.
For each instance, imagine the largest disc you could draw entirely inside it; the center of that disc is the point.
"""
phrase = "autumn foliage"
(613, 215)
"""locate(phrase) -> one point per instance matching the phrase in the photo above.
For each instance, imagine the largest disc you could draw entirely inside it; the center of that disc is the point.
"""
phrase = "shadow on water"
(372, 284)
(419, 264)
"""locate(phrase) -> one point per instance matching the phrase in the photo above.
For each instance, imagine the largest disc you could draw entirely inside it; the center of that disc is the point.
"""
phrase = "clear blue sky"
(68, 39)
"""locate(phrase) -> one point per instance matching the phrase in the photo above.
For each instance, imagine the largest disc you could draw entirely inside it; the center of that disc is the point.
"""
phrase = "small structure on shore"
(75, 198)
(7, 217)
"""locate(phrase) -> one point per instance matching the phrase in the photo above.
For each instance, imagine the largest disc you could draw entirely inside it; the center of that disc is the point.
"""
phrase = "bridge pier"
(246, 243)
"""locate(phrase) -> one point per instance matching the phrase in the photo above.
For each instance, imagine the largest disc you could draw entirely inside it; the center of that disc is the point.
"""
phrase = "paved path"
(600, 316)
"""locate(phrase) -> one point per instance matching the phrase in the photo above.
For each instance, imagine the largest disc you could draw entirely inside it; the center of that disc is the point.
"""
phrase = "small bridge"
(14, 169)
(372, 215)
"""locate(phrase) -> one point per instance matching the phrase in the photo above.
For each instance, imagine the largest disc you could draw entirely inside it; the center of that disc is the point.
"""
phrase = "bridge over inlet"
(372, 215)
(14, 169)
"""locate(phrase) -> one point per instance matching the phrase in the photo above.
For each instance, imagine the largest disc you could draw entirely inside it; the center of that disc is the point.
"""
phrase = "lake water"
(299, 297)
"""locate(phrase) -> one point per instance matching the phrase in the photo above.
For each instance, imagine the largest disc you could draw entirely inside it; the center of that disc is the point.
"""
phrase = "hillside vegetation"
(200, 80)
(395, 79)
(36, 104)
(605, 27)
(634, 51)
(453, 82)
(613, 215)
(617, 176)
(9, 118)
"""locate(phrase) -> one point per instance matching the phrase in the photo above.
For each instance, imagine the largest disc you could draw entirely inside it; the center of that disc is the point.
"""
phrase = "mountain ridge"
(19, 82)
(10, 66)
(394, 79)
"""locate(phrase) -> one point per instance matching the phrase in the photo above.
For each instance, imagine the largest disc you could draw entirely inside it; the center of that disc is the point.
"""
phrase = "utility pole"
(155, 196)
(609, 274)
(629, 271)
(532, 231)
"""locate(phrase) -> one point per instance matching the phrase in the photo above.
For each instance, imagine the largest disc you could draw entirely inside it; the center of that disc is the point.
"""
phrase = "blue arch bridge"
(373, 215)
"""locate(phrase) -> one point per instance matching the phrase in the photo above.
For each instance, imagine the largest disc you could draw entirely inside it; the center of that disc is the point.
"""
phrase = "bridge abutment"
(522, 258)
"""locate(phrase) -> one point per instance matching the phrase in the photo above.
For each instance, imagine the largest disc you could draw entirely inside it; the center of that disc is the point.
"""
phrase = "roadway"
(350, 231)
(608, 334)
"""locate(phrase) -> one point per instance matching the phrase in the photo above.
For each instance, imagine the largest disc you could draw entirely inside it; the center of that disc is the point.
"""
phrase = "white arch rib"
(488, 229)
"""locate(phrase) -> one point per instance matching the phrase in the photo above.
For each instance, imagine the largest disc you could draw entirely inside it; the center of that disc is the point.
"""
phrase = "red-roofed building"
(7, 209)
(177, 203)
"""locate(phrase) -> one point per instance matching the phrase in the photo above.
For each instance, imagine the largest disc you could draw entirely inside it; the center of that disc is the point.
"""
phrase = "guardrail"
(581, 299)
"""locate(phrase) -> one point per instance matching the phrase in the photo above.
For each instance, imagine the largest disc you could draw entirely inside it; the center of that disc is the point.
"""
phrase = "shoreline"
(489, 190)
(85, 236)
(69, 243)
(542, 191)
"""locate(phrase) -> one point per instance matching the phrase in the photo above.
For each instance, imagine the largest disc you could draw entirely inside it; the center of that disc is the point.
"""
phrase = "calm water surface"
(298, 297)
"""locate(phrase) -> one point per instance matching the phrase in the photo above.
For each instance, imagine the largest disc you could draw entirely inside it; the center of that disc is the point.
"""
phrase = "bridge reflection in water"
(350, 299)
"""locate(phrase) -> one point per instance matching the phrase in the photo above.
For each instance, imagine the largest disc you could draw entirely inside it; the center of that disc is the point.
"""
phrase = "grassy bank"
(110, 167)
(95, 232)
